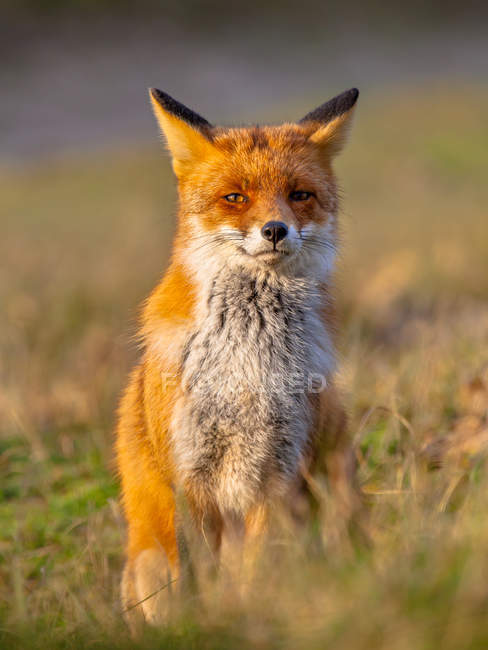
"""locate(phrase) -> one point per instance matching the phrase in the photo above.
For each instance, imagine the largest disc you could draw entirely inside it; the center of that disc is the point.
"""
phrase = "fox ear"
(329, 124)
(187, 134)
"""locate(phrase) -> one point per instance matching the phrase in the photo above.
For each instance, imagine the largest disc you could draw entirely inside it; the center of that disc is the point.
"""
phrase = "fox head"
(264, 197)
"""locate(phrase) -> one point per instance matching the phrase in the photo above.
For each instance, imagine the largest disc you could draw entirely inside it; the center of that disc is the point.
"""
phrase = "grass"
(85, 239)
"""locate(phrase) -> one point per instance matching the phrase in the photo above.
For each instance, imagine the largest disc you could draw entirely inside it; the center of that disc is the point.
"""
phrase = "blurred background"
(87, 208)
(75, 73)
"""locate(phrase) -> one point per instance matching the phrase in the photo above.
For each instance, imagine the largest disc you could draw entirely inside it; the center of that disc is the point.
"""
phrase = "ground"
(83, 241)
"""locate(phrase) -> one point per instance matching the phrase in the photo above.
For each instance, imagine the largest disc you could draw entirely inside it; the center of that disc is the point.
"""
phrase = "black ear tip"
(158, 95)
(178, 110)
(347, 99)
(333, 108)
(354, 93)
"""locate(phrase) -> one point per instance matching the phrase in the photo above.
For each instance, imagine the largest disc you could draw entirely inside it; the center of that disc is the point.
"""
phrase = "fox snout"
(271, 243)
(274, 231)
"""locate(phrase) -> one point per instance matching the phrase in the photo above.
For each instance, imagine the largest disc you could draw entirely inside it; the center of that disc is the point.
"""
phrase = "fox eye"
(236, 198)
(300, 195)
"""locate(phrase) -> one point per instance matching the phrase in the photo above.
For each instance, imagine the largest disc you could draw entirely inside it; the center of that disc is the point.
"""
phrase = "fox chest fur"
(248, 370)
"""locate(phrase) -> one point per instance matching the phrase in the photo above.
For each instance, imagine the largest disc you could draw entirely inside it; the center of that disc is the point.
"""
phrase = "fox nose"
(274, 231)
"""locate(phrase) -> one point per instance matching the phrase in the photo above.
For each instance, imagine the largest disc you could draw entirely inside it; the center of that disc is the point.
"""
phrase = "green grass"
(84, 240)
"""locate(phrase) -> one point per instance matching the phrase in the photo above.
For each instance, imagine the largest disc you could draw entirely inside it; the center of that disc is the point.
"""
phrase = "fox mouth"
(271, 256)
(272, 253)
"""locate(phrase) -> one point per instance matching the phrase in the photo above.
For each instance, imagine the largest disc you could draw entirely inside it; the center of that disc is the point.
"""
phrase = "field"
(85, 238)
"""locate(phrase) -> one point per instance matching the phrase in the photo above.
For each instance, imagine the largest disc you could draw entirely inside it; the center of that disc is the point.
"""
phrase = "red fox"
(233, 401)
